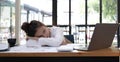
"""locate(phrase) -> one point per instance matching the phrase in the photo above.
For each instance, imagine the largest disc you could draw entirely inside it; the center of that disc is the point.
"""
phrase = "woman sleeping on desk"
(40, 35)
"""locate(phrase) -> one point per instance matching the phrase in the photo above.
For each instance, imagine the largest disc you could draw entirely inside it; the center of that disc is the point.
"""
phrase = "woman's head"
(35, 29)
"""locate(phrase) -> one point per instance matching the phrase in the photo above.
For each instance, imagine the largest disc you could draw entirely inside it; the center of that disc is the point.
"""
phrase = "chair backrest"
(70, 37)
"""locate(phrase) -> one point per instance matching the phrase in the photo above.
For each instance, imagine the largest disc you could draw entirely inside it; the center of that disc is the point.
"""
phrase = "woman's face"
(42, 31)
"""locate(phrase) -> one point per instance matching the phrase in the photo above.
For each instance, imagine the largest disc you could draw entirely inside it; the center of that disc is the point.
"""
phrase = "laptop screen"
(103, 36)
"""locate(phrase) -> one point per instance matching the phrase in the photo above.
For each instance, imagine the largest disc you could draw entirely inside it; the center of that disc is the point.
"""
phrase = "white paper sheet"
(25, 48)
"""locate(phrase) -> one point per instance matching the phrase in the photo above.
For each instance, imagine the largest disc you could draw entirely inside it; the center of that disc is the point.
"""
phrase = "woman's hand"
(65, 41)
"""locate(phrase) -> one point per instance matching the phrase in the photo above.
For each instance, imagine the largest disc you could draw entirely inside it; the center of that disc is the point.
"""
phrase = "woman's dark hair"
(30, 28)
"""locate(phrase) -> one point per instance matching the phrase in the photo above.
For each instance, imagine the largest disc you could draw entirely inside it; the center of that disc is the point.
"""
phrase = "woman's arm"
(66, 41)
(55, 39)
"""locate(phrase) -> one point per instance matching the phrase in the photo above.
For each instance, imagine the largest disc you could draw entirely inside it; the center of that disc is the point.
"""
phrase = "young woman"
(42, 35)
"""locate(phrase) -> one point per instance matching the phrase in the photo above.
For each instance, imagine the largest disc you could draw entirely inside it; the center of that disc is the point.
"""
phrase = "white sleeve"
(32, 43)
(55, 39)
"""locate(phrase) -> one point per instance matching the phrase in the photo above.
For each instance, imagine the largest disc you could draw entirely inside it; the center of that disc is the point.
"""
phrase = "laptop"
(102, 37)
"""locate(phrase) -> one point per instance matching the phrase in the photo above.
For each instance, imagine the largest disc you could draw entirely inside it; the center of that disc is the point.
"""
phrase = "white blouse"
(56, 38)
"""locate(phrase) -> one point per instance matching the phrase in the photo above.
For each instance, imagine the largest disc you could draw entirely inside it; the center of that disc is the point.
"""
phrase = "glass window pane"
(77, 12)
(63, 12)
(93, 11)
(109, 11)
(7, 20)
(45, 11)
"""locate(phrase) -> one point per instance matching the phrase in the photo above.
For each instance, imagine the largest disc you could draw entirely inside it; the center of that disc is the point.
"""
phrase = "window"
(7, 20)
(44, 8)
(109, 11)
(63, 12)
(93, 12)
(63, 15)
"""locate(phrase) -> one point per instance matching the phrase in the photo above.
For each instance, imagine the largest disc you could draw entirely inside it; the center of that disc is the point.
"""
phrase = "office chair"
(70, 37)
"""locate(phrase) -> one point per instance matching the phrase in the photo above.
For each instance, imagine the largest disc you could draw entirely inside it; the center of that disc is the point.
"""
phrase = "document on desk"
(62, 48)
(24, 48)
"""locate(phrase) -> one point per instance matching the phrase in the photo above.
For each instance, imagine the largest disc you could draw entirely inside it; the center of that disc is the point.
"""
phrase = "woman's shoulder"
(55, 27)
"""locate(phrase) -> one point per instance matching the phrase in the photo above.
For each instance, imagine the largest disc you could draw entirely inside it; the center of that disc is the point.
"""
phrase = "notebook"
(102, 37)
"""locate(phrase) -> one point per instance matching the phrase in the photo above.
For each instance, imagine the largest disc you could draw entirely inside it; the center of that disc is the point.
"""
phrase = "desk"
(104, 55)
(103, 52)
